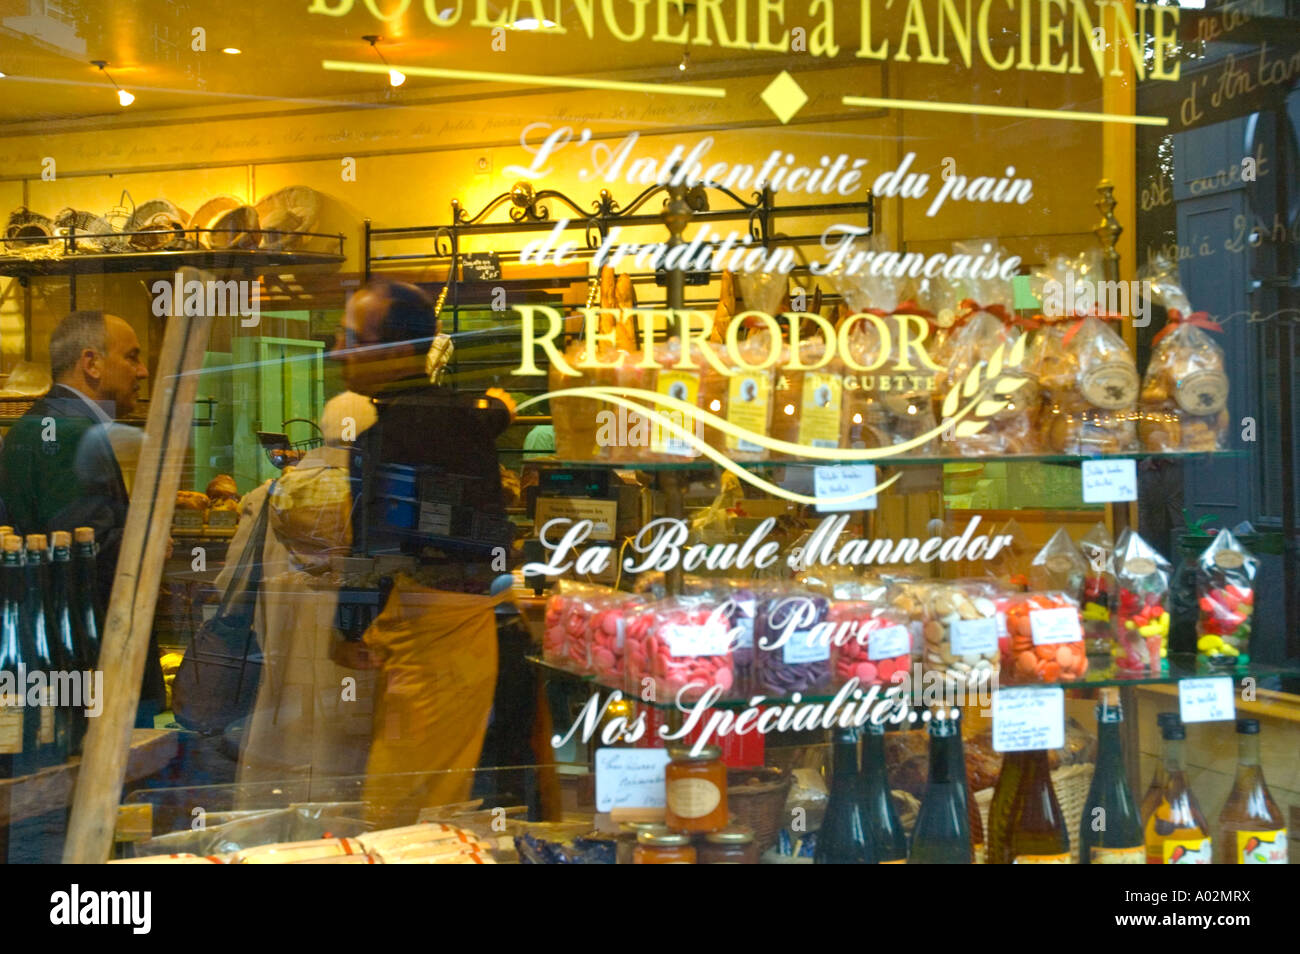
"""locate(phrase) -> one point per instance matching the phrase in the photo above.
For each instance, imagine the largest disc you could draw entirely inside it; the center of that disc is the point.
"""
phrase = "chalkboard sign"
(480, 267)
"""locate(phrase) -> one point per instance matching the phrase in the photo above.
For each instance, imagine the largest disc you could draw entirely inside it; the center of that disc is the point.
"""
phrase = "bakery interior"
(305, 150)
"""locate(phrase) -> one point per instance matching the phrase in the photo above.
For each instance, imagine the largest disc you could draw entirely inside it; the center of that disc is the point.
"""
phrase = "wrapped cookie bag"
(1225, 596)
(1059, 565)
(959, 626)
(1087, 374)
(1142, 611)
(976, 360)
(1184, 401)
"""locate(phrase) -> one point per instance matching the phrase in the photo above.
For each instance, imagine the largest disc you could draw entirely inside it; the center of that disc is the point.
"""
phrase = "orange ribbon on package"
(1201, 319)
(1078, 323)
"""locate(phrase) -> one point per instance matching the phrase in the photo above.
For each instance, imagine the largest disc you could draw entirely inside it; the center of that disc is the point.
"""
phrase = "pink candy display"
(566, 639)
(681, 643)
(607, 632)
(866, 643)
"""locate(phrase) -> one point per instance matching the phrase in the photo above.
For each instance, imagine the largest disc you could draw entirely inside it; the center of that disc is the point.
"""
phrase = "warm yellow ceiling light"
(123, 97)
(532, 23)
(232, 50)
(395, 76)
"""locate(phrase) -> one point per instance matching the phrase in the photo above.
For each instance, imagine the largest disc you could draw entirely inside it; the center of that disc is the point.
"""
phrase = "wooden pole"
(135, 588)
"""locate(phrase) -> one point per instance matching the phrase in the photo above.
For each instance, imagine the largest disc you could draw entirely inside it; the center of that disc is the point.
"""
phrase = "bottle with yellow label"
(1252, 830)
(1176, 832)
(1026, 824)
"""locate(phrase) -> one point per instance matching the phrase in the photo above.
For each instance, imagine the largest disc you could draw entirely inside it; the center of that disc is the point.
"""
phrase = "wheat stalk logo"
(988, 388)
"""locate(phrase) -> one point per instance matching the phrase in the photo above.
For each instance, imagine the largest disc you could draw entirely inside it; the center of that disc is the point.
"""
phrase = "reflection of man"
(59, 471)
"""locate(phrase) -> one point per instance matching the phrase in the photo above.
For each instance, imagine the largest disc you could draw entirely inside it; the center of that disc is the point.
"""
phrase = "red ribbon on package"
(1201, 319)
(1074, 328)
(969, 307)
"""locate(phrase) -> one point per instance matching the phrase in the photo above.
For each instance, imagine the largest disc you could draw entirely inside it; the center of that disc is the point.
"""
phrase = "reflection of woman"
(313, 709)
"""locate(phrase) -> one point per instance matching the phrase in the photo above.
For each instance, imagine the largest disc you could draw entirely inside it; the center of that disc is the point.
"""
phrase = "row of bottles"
(1026, 823)
(50, 624)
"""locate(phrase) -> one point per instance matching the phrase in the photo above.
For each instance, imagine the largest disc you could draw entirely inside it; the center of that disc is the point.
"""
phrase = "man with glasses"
(59, 469)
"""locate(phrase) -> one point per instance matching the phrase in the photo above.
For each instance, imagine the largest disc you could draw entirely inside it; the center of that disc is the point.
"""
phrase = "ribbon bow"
(1078, 323)
(1201, 319)
(967, 308)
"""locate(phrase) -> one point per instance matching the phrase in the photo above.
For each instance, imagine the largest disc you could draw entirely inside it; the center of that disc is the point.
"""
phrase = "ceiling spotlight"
(532, 23)
(123, 97)
(685, 64)
(395, 76)
(3, 75)
(232, 50)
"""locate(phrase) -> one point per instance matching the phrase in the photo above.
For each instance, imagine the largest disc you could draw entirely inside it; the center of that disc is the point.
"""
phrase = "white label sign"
(1206, 700)
(630, 778)
(844, 481)
(1025, 719)
(974, 636)
(707, 639)
(1109, 481)
(805, 647)
(888, 642)
(1058, 625)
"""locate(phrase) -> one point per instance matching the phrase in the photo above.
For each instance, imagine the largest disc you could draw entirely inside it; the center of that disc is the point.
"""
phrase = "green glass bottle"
(63, 641)
(844, 838)
(882, 820)
(87, 614)
(1110, 831)
(942, 833)
(52, 732)
(18, 732)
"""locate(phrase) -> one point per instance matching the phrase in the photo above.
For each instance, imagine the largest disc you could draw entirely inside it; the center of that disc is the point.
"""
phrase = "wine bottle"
(18, 733)
(63, 641)
(87, 614)
(1026, 825)
(1252, 830)
(1176, 833)
(1110, 831)
(52, 732)
(1151, 798)
(882, 820)
(844, 838)
(942, 832)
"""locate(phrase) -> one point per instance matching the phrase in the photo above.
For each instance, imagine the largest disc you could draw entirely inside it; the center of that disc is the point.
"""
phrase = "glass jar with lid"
(696, 789)
(659, 846)
(734, 845)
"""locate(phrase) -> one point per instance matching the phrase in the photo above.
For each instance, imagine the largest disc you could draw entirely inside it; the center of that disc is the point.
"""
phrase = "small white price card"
(845, 481)
(974, 636)
(1057, 625)
(703, 639)
(1206, 700)
(807, 646)
(1025, 719)
(1109, 481)
(888, 642)
(630, 778)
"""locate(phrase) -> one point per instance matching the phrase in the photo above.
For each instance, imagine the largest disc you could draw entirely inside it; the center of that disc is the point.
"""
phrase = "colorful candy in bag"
(1225, 593)
(564, 636)
(607, 632)
(1184, 403)
(792, 651)
(1099, 596)
(1044, 641)
(1142, 617)
(683, 645)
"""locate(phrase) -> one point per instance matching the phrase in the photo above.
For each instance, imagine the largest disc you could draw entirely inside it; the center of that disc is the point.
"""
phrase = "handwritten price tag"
(630, 778)
(1206, 700)
(1109, 481)
(844, 481)
(889, 642)
(1025, 719)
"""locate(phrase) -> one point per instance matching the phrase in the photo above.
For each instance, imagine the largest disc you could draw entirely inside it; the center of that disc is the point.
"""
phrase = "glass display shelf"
(1180, 667)
(703, 463)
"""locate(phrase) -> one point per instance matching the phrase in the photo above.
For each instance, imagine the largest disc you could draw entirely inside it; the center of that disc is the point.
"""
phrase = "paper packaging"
(296, 851)
(1184, 401)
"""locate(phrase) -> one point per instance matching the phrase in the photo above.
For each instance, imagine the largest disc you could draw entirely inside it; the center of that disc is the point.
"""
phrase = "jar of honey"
(696, 790)
(731, 846)
(659, 846)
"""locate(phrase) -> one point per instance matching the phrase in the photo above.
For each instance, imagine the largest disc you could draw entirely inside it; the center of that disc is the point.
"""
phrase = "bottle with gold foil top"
(1110, 829)
(1252, 830)
(1176, 832)
(1151, 798)
(695, 789)
(1026, 823)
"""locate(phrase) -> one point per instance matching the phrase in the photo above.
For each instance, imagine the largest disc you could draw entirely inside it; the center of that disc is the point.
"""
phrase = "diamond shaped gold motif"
(784, 97)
